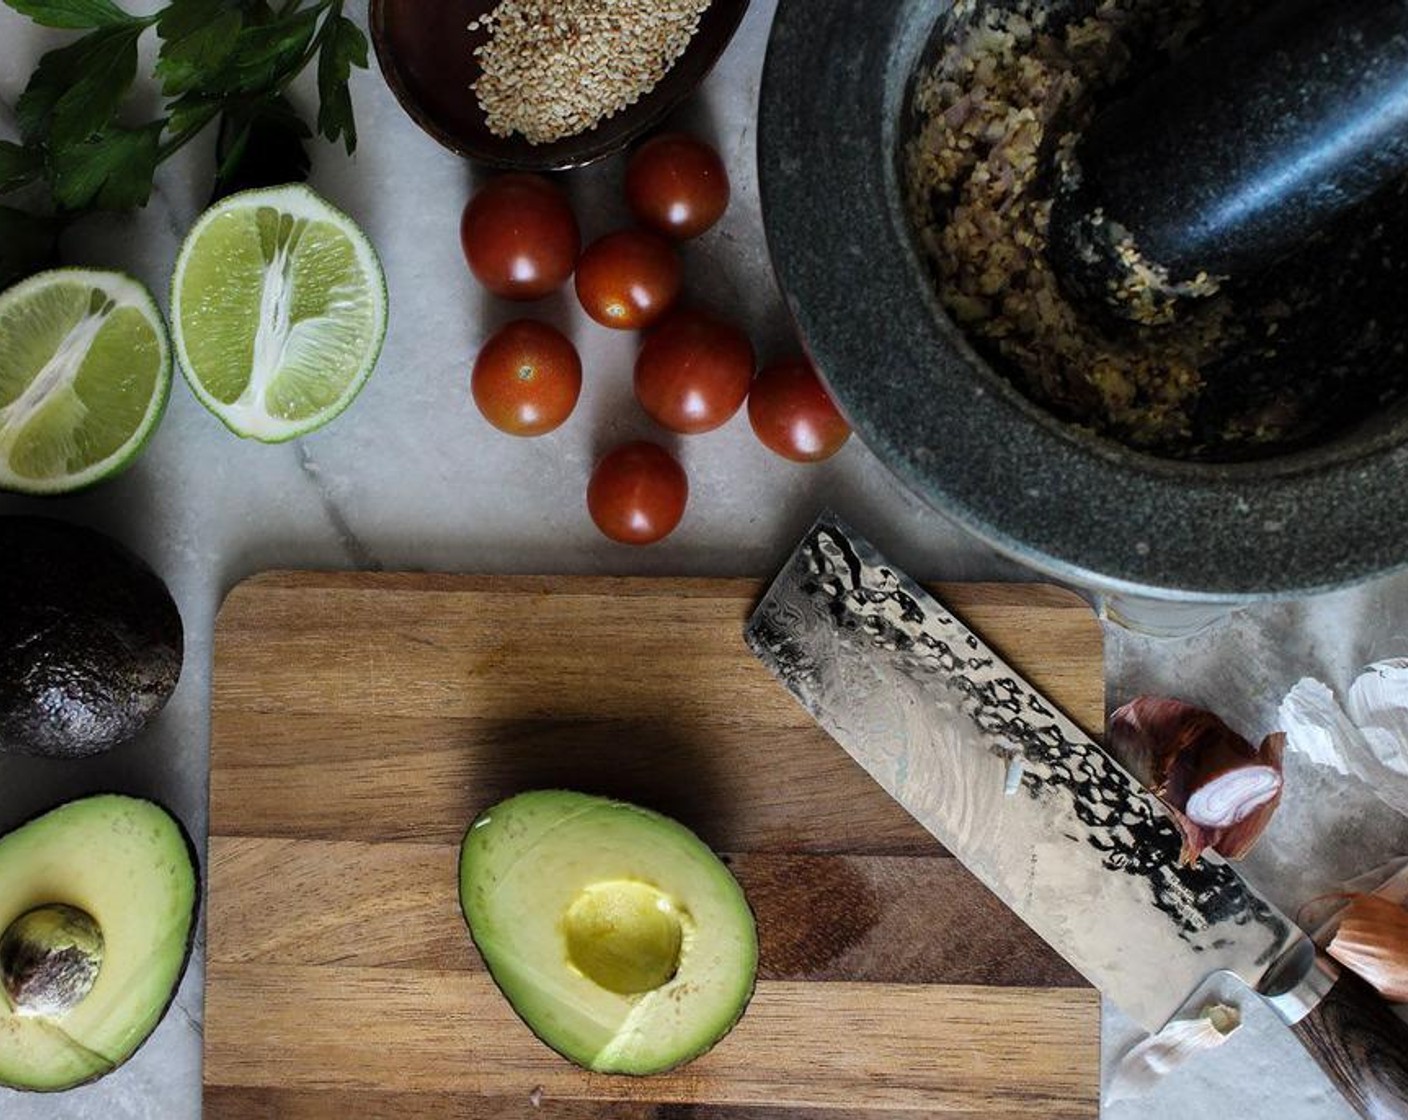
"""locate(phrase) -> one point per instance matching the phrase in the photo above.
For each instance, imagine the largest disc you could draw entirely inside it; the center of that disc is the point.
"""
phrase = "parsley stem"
(173, 145)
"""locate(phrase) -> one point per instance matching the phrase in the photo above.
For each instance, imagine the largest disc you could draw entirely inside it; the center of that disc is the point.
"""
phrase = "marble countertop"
(411, 478)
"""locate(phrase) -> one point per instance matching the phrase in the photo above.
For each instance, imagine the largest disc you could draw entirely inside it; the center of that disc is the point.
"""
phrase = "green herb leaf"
(267, 56)
(27, 243)
(261, 146)
(55, 75)
(192, 112)
(75, 15)
(18, 165)
(107, 74)
(343, 48)
(225, 59)
(113, 171)
(76, 89)
(198, 37)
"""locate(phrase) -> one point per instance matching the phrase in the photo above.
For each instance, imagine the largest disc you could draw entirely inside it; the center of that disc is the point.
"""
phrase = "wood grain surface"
(359, 722)
(1356, 1038)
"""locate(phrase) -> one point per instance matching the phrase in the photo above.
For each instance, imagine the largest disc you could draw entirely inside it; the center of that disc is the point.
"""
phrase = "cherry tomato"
(693, 371)
(629, 279)
(677, 184)
(637, 493)
(527, 378)
(520, 236)
(794, 415)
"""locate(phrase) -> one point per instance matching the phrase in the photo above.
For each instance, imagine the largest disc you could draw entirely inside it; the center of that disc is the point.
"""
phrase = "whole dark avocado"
(90, 640)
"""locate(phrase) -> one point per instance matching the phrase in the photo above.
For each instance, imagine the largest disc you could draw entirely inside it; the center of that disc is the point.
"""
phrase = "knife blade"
(1042, 815)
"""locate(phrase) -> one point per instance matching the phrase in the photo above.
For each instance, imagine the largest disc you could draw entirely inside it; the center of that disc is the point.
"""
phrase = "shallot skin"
(1219, 789)
(1372, 940)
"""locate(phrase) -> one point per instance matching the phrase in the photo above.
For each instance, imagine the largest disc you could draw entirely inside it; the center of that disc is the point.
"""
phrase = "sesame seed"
(556, 68)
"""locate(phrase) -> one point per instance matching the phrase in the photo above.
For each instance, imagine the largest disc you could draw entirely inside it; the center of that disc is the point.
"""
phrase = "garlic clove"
(1372, 941)
(1367, 738)
(1378, 705)
(1318, 728)
(1177, 1044)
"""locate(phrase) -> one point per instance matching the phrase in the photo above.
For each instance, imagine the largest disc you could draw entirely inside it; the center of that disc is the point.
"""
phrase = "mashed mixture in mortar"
(1011, 92)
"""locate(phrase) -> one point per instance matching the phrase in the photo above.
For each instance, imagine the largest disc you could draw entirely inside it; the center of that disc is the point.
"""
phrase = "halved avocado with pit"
(617, 935)
(98, 904)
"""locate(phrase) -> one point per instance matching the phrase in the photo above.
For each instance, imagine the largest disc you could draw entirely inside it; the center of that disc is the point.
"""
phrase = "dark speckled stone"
(1079, 507)
(1234, 155)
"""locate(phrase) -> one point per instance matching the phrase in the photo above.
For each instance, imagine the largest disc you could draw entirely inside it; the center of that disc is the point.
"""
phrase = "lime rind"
(125, 292)
(299, 203)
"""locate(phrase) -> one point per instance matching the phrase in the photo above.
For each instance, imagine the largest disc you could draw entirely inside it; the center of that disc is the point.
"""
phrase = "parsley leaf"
(267, 55)
(226, 60)
(343, 48)
(76, 89)
(18, 166)
(74, 15)
(113, 171)
(198, 37)
(92, 101)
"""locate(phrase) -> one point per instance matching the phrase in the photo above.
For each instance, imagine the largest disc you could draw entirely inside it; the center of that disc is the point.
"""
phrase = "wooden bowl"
(426, 53)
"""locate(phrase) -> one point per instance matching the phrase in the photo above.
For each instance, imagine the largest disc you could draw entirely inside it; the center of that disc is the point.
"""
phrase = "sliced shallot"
(1220, 790)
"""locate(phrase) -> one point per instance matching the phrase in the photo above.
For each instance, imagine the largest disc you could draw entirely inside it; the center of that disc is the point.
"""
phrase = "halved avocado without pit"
(615, 933)
(97, 911)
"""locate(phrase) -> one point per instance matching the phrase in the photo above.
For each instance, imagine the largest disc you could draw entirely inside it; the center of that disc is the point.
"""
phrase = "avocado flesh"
(527, 862)
(127, 864)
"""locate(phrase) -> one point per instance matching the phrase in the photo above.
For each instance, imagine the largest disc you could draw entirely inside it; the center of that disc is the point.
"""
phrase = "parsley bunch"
(223, 62)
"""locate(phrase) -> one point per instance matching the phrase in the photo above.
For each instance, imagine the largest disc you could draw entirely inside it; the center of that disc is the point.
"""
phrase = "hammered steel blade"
(1077, 849)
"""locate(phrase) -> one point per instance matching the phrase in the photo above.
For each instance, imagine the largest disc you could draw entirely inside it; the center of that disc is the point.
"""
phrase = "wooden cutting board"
(361, 721)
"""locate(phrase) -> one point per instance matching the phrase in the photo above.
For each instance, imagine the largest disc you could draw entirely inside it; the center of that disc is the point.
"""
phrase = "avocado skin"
(90, 640)
(194, 855)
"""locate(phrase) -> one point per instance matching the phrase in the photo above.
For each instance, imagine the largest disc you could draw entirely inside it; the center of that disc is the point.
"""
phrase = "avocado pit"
(618, 937)
(50, 958)
(625, 936)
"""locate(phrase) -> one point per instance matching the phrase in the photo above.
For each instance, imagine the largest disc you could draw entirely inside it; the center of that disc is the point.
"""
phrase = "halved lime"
(278, 311)
(85, 371)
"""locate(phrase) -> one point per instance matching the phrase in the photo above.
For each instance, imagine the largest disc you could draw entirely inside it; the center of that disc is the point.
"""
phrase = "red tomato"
(793, 414)
(527, 378)
(693, 371)
(629, 279)
(520, 236)
(677, 184)
(637, 493)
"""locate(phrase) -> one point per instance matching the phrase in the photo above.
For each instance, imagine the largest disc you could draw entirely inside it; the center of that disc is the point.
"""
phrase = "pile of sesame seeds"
(556, 68)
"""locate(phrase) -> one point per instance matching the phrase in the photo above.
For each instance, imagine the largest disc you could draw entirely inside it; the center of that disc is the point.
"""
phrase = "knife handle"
(1362, 1045)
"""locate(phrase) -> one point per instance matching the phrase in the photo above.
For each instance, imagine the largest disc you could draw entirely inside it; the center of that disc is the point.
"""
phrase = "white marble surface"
(411, 477)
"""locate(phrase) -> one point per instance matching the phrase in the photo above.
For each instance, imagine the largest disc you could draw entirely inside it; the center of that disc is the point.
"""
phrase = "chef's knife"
(1044, 817)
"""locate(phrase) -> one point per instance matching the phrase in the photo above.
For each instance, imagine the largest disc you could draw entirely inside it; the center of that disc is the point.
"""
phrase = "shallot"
(1220, 790)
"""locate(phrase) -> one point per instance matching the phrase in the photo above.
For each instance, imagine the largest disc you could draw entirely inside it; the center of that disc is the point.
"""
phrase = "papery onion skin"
(1220, 790)
(1372, 941)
